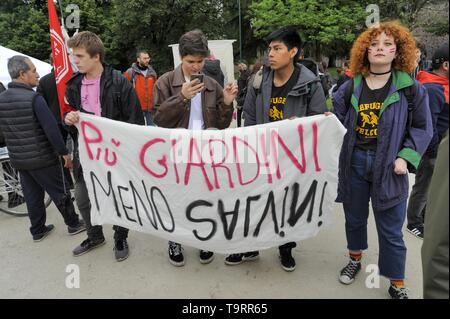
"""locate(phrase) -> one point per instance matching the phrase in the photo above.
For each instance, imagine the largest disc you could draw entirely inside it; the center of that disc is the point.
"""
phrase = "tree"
(153, 25)
(321, 24)
(24, 28)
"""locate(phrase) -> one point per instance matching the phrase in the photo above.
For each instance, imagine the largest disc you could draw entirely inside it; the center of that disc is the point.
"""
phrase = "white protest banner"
(225, 191)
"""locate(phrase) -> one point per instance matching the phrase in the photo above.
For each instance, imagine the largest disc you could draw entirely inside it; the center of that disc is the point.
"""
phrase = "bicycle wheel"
(11, 195)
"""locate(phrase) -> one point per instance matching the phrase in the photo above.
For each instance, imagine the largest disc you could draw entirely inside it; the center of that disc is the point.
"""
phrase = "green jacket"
(435, 256)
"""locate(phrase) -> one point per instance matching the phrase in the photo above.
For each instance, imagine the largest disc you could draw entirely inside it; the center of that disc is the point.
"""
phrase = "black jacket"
(118, 99)
(28, 145)
(47, 88)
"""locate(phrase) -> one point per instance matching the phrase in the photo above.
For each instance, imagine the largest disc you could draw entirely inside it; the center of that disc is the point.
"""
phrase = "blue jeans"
(148, 118)
(389, 222)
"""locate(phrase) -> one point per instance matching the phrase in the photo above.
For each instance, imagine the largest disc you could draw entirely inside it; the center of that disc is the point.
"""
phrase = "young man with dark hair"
(143, 77)
(436, 83)
(194, 105)
(100, 90)
(288, 90)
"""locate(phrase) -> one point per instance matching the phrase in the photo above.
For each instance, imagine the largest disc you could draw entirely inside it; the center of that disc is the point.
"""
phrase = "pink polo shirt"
(90, 95)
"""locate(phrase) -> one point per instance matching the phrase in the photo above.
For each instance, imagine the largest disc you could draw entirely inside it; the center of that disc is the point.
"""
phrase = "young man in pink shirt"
(100, 90)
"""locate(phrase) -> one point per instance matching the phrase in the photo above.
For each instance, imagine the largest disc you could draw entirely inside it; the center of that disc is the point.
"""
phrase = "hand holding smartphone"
(197, 76)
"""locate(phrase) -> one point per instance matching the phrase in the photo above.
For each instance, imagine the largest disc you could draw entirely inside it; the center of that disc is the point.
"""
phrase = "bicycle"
(10, 184)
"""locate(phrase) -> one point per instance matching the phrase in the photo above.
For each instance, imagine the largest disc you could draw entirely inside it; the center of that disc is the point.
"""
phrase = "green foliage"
(322, 23)
(24, 29)
(327, 27)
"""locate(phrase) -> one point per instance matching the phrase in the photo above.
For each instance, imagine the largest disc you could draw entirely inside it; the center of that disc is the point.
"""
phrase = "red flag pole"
(60, 55)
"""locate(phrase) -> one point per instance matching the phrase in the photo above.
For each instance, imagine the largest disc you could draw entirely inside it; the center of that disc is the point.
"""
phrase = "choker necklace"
(380, 73)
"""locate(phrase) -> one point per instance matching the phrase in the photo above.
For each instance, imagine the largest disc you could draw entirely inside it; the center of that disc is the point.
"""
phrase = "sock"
(398, 283)
(356, 257)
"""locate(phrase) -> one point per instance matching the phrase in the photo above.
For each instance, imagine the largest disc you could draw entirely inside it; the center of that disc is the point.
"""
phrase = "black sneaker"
(121, 251)
(86, 246)
(15, 200)
(250, 256)
(206, 256)
(286, 259)
(236, 259)
(398, 293)
(81, 226)
(41, 236)
(416, 231)
(348, 273)
(176, 257)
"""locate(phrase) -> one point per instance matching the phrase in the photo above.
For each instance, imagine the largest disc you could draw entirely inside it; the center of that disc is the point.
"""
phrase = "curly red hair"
(404, 40)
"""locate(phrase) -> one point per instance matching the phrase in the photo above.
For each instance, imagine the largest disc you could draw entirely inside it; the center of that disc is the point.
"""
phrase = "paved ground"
(38, 270)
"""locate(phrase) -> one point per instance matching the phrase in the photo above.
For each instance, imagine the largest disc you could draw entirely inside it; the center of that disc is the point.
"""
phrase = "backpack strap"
(348, 94)
(257, 80)
(410, 95)
(311, 87)
(133, 77)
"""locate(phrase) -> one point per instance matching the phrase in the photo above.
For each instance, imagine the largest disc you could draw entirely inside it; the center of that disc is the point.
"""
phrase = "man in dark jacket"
(34, 143)
(100, 90)
(436, 84)
(285, 90)
(244, 75)
(47, 88)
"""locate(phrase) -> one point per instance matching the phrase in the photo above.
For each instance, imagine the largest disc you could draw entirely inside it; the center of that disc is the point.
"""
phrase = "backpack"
(312, 66)
(133, 77)
(410, 95)
(213, 70)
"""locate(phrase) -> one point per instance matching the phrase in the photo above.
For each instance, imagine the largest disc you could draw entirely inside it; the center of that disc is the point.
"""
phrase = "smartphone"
(197, 76)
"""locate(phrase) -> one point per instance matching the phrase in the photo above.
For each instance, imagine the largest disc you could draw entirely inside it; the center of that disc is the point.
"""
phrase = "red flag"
(60, 55)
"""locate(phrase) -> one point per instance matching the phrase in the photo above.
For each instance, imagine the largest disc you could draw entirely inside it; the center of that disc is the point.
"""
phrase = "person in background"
(436, 83)
(213, 69)
(143, 77)
(244, 75)
(47, 88)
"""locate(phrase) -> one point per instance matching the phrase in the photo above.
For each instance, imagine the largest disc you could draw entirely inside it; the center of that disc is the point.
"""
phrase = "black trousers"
(51, 180)
(239, 112)
(67, 175)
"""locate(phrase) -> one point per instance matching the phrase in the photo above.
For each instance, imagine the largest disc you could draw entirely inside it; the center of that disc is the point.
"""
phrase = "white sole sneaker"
(345, 280)
(414, 232)
(177, 264)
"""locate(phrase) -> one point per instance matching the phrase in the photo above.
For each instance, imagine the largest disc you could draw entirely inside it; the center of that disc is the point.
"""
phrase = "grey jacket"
(305, 99)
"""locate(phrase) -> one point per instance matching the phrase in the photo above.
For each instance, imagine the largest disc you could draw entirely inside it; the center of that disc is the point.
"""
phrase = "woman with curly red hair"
(381, 140)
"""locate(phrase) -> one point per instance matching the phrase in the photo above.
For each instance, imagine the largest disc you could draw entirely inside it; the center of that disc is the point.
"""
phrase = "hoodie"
(437, 88)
